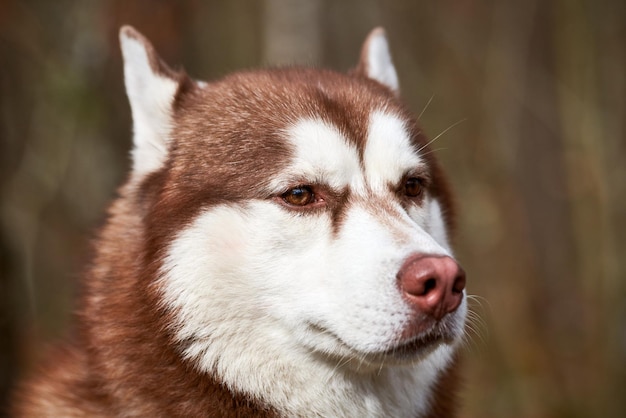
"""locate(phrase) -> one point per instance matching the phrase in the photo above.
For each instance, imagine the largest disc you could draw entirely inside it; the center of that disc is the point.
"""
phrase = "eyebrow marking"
(322, 156)
(389, 153)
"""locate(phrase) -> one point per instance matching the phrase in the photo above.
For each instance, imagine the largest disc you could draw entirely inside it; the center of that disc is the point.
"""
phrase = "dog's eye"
(299, 196)
(413, 187)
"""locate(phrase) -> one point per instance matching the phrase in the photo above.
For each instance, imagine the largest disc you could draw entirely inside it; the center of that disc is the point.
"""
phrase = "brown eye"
(299, 196)
(413, 187)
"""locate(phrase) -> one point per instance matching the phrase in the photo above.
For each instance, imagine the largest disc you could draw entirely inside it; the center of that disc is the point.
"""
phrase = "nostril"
(459, 282)
(429, 285)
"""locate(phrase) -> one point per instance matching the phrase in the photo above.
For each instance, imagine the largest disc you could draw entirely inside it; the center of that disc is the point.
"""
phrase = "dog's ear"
(151, 87)
(375, 61)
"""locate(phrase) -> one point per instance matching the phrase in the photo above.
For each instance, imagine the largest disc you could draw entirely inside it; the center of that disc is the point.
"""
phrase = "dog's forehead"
(330, 124)
(272, 100)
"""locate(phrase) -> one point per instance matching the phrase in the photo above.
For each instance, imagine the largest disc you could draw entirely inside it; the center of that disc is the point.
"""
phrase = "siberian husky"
(280, 249)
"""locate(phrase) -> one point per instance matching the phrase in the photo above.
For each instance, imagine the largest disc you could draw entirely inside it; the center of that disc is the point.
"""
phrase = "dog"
(281, 248)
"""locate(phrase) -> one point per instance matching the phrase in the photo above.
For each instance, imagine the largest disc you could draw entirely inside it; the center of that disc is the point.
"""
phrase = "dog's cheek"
(208, 248)
(244, 260)
(286, 260)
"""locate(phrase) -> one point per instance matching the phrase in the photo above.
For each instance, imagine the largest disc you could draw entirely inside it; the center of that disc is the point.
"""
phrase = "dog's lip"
(405, 349)
(419, 346)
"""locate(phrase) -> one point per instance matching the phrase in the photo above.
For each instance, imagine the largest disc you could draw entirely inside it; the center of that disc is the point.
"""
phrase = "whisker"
(479, 305)
(342, 361)
(426, 107)
(479, 299)
(478, 327)
(474, 327)
(469, 344)
(477, 331)
(442, 133)
(361, 361)
(380, 369)
(473, 338)
(433, 151)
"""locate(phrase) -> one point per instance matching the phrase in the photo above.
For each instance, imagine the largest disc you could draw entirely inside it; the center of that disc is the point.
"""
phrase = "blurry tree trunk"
(292, 31)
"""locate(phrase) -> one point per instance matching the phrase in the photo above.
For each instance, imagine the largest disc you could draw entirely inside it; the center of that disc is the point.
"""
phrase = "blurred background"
(538, 163)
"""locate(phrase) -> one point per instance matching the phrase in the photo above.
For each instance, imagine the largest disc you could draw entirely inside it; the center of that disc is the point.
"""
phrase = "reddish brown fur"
(122, 359)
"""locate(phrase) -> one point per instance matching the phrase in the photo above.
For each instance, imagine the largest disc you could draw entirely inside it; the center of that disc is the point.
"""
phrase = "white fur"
(150, 95)
(379, 64)
(323, 156)
(278, 305)
(388, 155)
(248, 316)
(436, 226)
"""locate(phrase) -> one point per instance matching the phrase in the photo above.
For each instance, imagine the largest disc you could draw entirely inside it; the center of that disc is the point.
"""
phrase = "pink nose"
(432, 284)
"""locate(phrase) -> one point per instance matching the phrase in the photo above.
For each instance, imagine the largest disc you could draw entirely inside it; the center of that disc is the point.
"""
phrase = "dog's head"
(292, 210)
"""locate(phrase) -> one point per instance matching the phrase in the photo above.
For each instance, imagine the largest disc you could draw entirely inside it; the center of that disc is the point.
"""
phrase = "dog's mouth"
(420, 346)
(404, 350)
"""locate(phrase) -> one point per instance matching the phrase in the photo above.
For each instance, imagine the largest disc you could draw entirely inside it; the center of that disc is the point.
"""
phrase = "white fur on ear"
(376, 60)
(151, 92)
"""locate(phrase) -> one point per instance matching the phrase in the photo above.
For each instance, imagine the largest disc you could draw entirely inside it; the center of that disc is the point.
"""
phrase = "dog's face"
(294, 211)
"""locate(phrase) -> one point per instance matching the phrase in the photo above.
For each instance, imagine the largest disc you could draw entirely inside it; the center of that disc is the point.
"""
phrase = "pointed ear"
(151, 88)
(375, 61)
